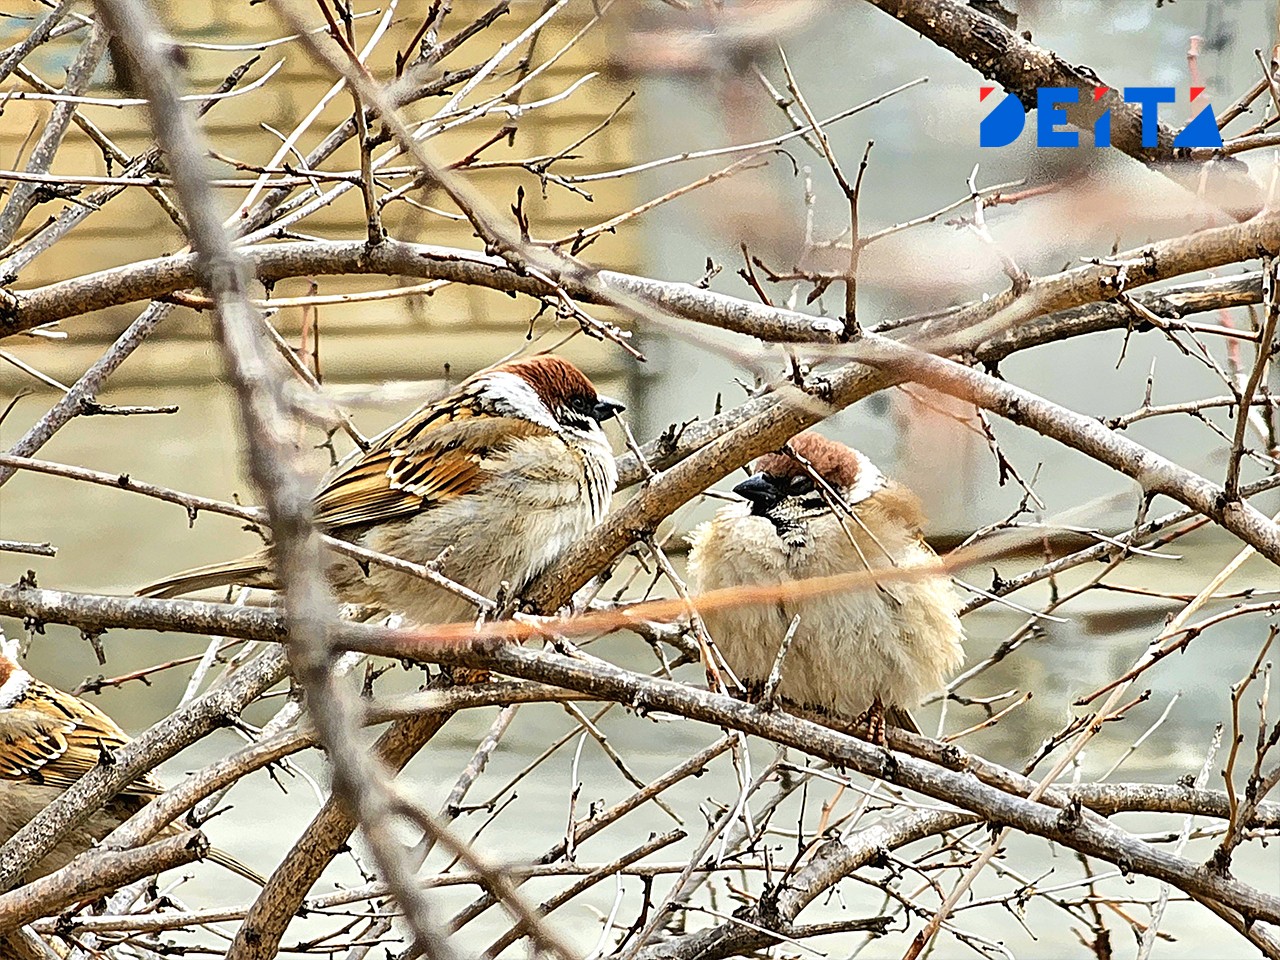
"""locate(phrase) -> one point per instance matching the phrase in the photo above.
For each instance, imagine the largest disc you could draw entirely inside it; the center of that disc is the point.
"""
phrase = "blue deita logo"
(1005, 122)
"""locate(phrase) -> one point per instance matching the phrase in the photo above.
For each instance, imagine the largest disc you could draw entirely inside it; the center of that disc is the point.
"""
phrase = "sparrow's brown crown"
(9, 665)
(834, 462)
(562, 387)
(556, 381)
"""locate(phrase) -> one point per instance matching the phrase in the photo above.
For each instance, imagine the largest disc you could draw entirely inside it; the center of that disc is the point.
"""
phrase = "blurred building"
(409, 338)
(704, 78)
(380, 357)
(707, 92)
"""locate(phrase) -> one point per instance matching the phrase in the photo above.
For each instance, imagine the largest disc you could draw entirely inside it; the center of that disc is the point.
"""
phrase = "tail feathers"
(223, 859)
(249, 571)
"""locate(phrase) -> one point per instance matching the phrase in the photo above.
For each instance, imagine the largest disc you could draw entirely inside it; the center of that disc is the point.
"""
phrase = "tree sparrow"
(870, 652)
(503, 473)
(50, 739)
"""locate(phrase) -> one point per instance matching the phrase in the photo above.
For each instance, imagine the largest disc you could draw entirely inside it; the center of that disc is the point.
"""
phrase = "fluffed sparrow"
(506, 471)
(858, 653)
(49, 739)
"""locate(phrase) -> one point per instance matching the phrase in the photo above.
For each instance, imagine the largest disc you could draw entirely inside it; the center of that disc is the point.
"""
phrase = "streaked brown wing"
(29, 741)
(434, 456)
(56, 738)
(363, 493)
(93, 732)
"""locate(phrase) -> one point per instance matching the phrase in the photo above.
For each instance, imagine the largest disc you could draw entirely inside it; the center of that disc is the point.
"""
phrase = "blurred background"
(668, 82)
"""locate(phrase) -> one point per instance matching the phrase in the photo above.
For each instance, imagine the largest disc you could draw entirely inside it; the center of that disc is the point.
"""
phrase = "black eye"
(581, 404)
(800, 485)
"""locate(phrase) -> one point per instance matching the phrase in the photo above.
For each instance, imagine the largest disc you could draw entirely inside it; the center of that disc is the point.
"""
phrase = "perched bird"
(499, 476)
(49, 739)
(865, 653)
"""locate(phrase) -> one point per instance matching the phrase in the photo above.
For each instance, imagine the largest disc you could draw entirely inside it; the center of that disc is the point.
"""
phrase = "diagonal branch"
(1022, 67)
(259, 378)
(1155, 474)
(175, 732)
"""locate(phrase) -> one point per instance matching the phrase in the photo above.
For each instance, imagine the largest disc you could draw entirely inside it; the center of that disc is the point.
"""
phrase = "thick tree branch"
(92, 874)
(1155, 474)
(598, 679)
(1104, 280)
(175, 732)
(1021, 67)
(327, 835)
(155, 279)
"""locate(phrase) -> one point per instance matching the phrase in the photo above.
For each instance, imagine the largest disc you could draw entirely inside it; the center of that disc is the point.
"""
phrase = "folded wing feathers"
(58, 739)
(415, 466)
(435, 480)
(30, 740)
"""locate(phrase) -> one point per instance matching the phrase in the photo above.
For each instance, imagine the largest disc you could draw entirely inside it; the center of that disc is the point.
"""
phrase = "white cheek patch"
(14, 688)
(514, 392)
(869, 480)
(9, 648)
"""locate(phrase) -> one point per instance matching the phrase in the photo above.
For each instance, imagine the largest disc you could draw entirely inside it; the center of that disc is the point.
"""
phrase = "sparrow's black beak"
(760, 490)
(606, 408)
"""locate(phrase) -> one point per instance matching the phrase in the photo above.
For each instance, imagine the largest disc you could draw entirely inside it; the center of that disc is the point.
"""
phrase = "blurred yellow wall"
(404, 338)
